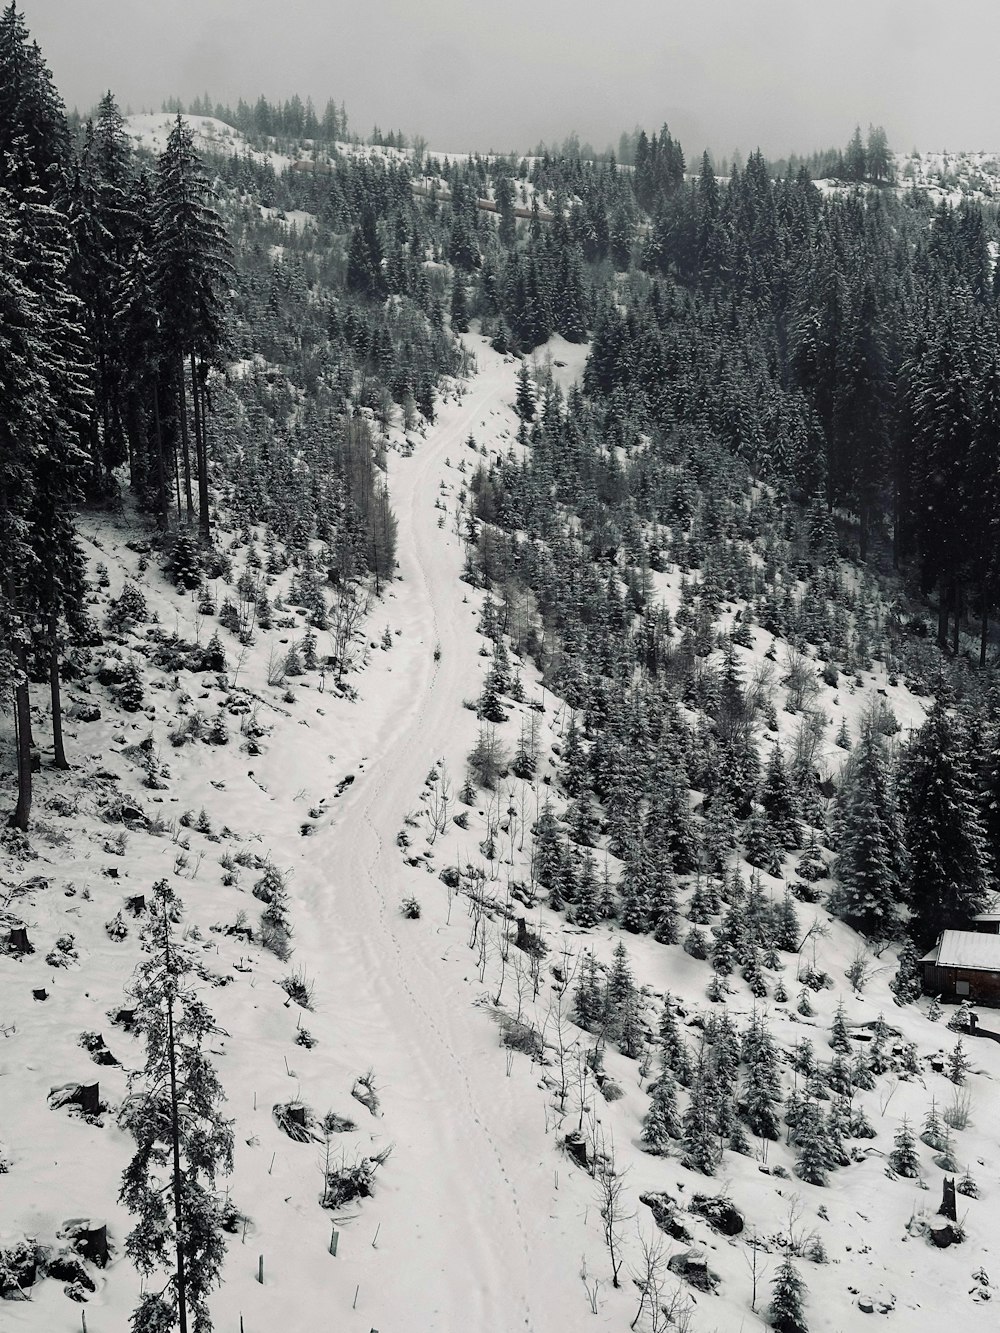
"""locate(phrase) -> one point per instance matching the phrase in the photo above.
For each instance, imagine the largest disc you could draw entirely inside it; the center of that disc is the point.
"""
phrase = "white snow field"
(479, 1223)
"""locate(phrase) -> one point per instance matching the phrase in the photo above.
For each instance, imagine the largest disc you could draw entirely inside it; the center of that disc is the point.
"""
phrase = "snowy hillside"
(480, 1218)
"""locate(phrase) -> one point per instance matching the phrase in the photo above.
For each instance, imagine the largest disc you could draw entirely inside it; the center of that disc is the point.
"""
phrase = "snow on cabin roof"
(967, 948)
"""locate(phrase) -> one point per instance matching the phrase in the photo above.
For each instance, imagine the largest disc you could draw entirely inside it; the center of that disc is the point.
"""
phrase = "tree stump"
(947, 1208)
(88, 1098)
(40, 993)
(92, 1241)
(941, 1232)
(125, 1018)
(576, 1146)
(296, 1112)
(136, 904)
(522, 933)
(17, 939)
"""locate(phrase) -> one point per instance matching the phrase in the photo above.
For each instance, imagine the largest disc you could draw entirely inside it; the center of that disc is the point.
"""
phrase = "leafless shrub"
(517, 1035)
(958, 1114)
(799, 680)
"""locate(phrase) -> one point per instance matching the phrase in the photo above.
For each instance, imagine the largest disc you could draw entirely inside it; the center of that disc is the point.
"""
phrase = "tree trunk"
(59, 752)
(175, 1145)
(984, 626)
(942, 629)
(185, 448)
(957, 599)
(93, 1242)
(22, 730)
(88, 1098)
(948, 1208)
(896, 522)
(201, 457)
(161, 473)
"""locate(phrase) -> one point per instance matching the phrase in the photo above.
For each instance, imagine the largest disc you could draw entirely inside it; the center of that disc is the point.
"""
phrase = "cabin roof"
(966, 948)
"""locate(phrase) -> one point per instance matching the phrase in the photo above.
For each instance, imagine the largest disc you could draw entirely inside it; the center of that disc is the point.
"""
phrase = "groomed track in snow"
(467, 1205)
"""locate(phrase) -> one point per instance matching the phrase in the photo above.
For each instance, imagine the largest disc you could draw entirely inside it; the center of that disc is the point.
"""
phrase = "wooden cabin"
(964, 965)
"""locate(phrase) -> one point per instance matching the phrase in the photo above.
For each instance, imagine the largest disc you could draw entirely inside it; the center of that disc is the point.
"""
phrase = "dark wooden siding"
(983, 987)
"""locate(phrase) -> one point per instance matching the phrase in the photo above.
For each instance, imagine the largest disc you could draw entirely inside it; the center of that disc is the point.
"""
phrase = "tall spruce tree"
(34, 136)
(948, 862)
(870, 865)
(191, 274)
(183, 1143)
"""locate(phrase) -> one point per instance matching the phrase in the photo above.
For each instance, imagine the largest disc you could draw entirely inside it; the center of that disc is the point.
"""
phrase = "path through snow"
(474, 1256)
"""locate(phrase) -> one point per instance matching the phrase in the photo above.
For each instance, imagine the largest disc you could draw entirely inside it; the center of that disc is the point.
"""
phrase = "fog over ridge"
(780, 74)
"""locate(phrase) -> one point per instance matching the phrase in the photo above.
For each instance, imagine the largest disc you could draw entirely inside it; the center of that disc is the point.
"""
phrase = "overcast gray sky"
(788, 75)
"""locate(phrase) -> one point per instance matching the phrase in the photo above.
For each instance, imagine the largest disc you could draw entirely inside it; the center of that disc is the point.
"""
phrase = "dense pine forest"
(733, 688)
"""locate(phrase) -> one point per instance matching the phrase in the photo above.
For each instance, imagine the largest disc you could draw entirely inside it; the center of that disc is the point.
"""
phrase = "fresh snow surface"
(479, 1224)
(152, 129)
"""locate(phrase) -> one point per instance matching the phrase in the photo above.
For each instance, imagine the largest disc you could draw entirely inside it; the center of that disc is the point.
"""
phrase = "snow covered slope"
(479, 1221)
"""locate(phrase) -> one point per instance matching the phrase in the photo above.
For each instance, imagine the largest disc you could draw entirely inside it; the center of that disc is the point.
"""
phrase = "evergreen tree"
(760, 1095)
(34, 136)
(525, 404)
(947, 879)
(42, 401)
(589, 1007)
(839, 1039)
(191, 274)
(620, 994)
(870, 865)
(661, 1124)
(787, 1299)
(547, 849)
(813, 1161)
(182, 1141)
(958, 1063)
(903, 1159)
(700, 1123)
(673, 1048)
(934, 1132)
(778, 801)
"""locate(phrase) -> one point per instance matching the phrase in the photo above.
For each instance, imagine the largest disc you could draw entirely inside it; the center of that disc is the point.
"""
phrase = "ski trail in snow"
(475, 1268)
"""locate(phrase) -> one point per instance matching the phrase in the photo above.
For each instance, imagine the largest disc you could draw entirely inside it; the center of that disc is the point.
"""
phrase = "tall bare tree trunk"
(943, 601)
(201, 456)
(22, 729)
(957, 596)
(161, 475)
(175, 1143)
(185, 449)
(58, 750)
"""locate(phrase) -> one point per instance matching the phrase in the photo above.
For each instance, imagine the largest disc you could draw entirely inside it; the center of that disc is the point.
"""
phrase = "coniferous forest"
(716, 450)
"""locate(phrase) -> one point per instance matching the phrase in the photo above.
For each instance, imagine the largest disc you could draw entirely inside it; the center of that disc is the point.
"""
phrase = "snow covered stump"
(942, 1231)
(92, 1241)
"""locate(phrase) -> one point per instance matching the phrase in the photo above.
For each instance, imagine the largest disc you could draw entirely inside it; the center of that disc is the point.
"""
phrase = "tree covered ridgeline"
(842, 345)
(290, 119)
